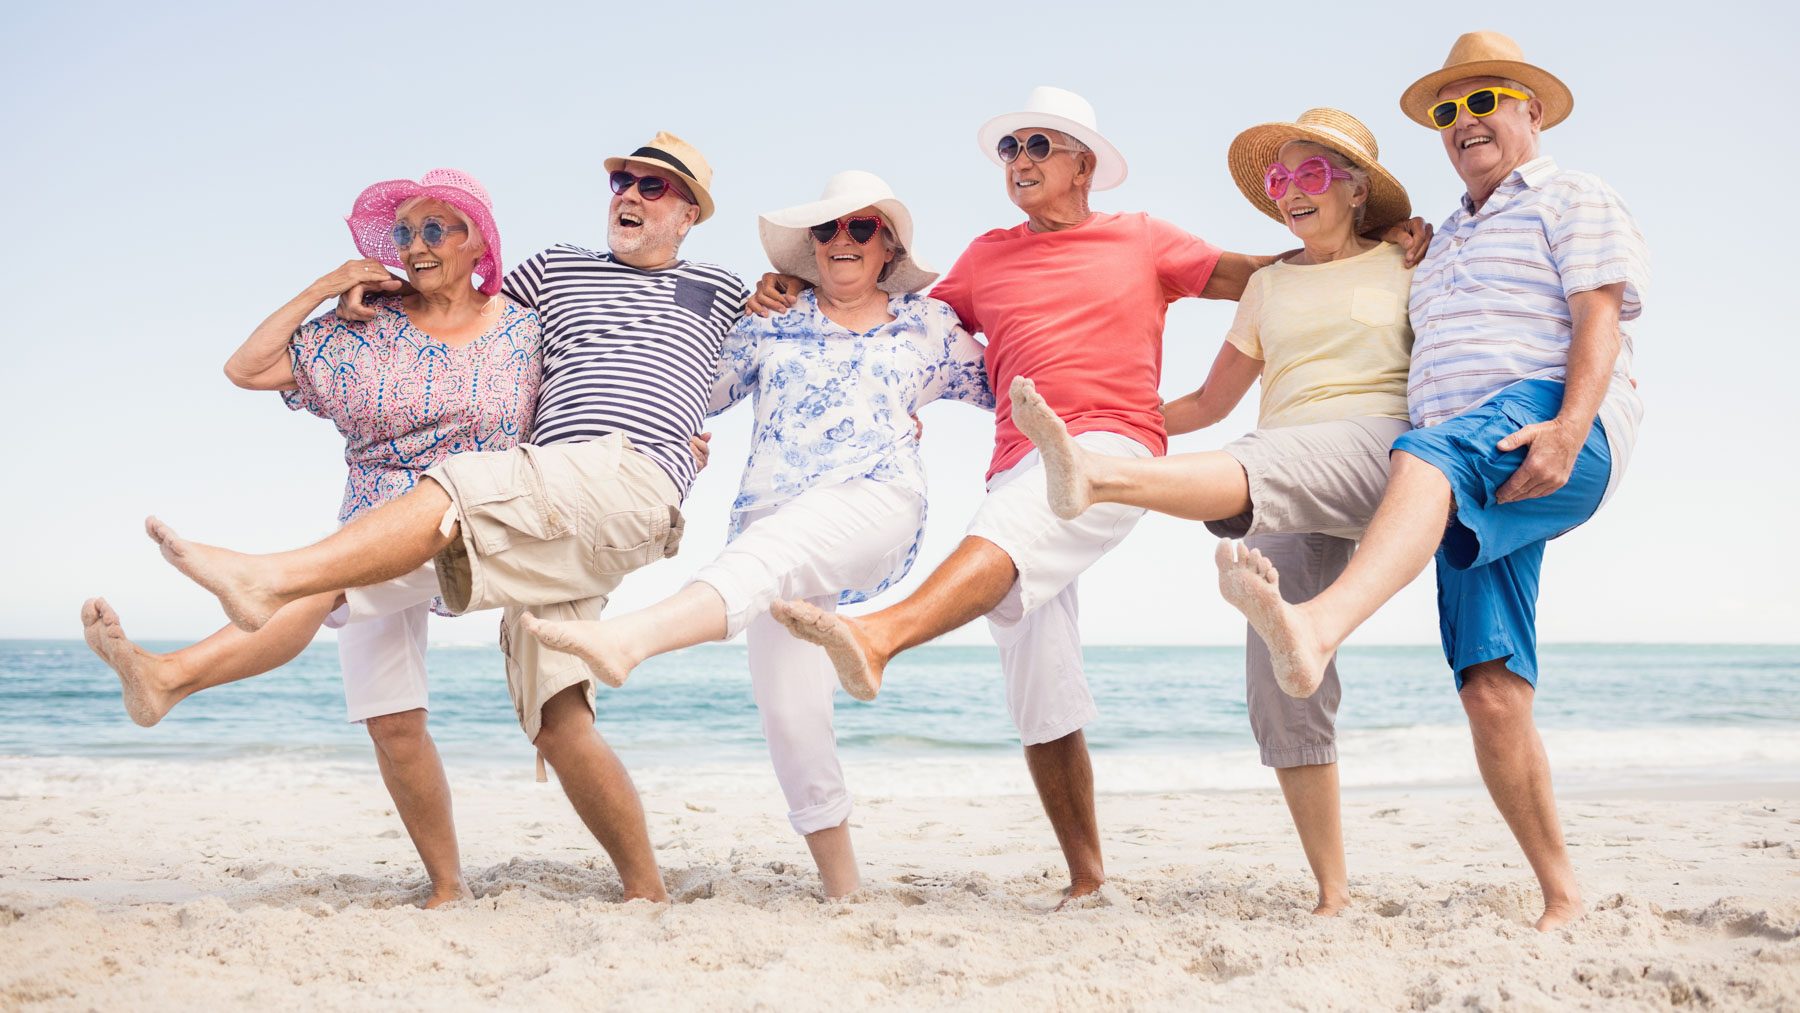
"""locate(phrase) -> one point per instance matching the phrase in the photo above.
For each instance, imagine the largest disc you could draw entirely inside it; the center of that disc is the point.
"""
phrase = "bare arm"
(1232, 273)
(776, 294)
(1229, 380)
(262, 362)
(1593, 350)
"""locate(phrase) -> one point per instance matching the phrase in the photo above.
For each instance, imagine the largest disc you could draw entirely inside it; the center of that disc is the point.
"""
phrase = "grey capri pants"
(1295, 732)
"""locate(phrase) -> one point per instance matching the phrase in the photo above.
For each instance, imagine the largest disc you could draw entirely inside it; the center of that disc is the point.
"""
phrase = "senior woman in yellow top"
(1326, 331)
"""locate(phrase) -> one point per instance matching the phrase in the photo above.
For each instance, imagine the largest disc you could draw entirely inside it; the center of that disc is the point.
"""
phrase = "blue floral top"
(833, 405)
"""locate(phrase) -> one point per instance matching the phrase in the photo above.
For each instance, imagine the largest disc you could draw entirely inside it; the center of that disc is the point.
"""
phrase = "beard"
(648, 236)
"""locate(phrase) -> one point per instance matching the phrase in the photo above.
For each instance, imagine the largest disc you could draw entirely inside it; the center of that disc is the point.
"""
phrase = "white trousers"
(814, 546)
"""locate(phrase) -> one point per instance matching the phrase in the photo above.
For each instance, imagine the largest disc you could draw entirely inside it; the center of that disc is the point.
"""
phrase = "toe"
(90, 612)
(1225, 554)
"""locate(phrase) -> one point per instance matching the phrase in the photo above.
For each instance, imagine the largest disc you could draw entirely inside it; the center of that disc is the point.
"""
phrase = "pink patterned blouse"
(404, 400)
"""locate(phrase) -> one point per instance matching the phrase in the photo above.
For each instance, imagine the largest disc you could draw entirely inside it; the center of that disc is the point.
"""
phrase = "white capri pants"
(827, 539)
(1037, 625)
(381, 644)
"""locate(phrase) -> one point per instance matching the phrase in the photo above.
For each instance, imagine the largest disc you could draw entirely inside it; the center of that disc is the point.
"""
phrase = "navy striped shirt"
(626, 350)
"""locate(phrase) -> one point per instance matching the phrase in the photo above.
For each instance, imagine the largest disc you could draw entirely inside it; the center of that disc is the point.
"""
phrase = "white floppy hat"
(790, 247)
(1068, 112)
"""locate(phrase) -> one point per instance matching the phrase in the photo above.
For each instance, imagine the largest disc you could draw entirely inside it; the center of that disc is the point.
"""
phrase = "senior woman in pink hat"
(448, 367)
(832, 504)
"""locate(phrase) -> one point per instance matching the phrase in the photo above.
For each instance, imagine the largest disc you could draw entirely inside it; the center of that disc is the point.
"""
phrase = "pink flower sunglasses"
(1313, 176)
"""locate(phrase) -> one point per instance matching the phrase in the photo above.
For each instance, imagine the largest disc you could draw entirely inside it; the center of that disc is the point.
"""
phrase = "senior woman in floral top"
(832, 504)
(449, 367)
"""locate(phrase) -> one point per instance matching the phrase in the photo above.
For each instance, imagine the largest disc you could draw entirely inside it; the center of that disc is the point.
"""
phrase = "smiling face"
(448, 266)
(1329, 218)
(1485, 150)
(849, 271)
(647, 233)
(1035, 187)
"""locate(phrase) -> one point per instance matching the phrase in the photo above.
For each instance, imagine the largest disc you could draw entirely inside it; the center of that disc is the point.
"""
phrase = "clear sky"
(174, 172)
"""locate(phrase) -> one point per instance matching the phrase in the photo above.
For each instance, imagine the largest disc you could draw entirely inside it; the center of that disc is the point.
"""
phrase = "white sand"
(280, 883)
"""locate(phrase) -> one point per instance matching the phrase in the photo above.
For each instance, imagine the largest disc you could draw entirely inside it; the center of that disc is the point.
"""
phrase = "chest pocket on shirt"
(694, 296)
(1376, 307)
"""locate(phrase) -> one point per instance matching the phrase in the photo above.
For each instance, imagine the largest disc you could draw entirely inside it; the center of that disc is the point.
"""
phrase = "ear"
(689, 220)
(1086, 163)
(1534, 111)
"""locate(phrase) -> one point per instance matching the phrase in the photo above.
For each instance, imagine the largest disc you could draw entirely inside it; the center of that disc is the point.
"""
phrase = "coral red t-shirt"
(1080, 312)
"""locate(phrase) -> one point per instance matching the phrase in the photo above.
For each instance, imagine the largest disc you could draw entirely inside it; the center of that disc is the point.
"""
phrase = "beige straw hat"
(1487, 54)
(667, 151)
(1254, 150)
(790, 247)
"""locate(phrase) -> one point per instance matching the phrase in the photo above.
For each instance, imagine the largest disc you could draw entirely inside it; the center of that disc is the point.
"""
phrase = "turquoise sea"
(1172, 718)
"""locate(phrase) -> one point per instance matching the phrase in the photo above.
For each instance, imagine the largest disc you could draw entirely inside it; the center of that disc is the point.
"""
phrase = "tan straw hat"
(1487, 54)
(667, 151)
(790, 248)
(1254, 150)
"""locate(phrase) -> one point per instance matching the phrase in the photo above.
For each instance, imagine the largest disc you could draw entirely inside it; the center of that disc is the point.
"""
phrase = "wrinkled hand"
(1413, 236)
(701, 447)
(775, 294)
(918, 429)
(355, 282)
(1548, 464)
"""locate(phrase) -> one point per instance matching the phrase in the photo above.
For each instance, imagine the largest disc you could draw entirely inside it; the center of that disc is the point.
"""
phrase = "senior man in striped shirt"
(631, 338)
(1521, 388)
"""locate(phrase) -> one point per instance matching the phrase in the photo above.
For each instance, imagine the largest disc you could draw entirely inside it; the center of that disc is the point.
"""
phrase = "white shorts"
(381, 644)
(1036, 624)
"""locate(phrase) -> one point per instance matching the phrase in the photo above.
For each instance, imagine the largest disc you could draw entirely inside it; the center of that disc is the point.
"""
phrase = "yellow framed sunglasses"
(1480, 102)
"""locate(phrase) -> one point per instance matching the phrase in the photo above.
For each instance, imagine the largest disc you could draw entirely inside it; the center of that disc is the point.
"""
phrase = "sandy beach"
(156, 884)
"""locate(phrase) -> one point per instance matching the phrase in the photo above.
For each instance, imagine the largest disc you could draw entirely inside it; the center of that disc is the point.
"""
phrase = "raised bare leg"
(391, 540)
(414, 775)
(1199, 487)
(613, 647)
(1065, 784)
(601, 791)
(1312, 799)
(831, 850)
(1517, 774)
(152, 684)
(1402, 537)
(968, 584)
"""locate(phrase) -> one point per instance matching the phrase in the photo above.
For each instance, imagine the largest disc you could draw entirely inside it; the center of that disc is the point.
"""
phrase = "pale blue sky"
(173, 174)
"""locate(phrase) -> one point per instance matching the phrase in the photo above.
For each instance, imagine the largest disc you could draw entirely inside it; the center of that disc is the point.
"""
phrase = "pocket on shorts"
(631, 539)
(1376, 307)
(506, 502)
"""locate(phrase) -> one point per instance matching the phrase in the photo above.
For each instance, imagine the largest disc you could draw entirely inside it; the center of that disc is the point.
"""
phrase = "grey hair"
(1359, 176)
(893, 245)
(473, 233)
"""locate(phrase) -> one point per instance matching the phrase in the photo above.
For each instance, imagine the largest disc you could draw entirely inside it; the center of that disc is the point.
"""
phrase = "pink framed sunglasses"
(1313, 176)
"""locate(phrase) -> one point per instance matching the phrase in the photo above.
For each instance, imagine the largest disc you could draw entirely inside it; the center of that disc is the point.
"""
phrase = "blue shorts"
(1488, 564)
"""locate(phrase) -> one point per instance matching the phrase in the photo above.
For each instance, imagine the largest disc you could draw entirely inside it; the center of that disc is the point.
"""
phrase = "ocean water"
(1172, 718)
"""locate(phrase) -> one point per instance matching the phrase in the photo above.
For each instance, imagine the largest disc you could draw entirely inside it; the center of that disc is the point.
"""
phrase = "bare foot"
(858, 667)
(1253, 586)
(1066, 482)
(1331, 905)
(448, 893)
(229, 575)
(140, 673)
(1075, 895)
(584, 639)
(1559, 913)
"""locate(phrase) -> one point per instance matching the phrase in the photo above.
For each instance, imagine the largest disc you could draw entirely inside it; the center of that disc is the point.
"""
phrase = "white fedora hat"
(790, 248)
(1061, 110)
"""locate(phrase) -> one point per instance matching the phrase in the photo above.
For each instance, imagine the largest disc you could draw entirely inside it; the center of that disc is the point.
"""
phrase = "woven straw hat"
(1254, 150)
(371, 218)
(1487, 54)
(1057, 109)
(667, 151)
(790, 248)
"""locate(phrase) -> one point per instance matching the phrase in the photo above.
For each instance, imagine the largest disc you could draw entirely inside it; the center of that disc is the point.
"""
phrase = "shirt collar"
(1531, 175)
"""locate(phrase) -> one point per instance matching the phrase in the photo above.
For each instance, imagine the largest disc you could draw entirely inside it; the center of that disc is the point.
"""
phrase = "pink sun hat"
(371, 218)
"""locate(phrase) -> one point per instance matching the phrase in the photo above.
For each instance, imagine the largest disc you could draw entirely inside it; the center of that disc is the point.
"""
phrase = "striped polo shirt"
(1490, 302)
(627, 350)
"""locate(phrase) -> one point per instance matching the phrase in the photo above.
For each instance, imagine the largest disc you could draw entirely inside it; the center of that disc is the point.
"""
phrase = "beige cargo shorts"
(1326, 477)
(553, 530)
